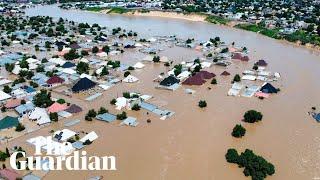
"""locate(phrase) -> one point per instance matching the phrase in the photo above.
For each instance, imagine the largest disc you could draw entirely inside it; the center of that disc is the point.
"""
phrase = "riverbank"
(295, 39)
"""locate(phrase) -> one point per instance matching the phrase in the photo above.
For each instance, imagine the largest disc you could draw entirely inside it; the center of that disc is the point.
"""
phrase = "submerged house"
(261, 62)
(8, 122)
(83, 85)
(169, 81)
(54, 80)
(268, 88)
(74, 109)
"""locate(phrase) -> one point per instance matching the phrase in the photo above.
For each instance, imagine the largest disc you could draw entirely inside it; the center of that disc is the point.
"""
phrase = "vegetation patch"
(255, 166)
(118, 10)
(216, 20)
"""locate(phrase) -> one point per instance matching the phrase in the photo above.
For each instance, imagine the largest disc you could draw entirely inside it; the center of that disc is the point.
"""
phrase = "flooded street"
(192, 144)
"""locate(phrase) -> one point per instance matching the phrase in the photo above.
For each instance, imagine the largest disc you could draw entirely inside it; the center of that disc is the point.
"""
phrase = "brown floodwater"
(192, 143)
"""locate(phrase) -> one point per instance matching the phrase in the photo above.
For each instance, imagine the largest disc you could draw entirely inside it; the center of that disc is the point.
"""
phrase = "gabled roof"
(74, 109)
(194, 80)
(225, 73)
(68, 65)
(83, 85)
(168, 81)
(8, 122)
(268, 88)
(55, 80)
(57, 107)
(13, 103)
(9, 174)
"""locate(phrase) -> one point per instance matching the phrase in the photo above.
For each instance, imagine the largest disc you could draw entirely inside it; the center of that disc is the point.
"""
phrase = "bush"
(61, 101)
(122, 116)
(7, 89)
(214, 81)
(54, 116)
(20, 127)
(95, 49)
(202, 104)
(238, 131)
(126, 95)
(237, 78)
(102, 110)
(130, 68)
(156, 59)
(136, 107)
(127, 73)
(232, 156)
(252, 116)
(92, 113)
(113, 101)
(87, 142)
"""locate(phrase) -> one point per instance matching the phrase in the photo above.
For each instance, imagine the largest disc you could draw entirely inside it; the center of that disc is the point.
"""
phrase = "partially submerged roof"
(8, 122)
(57, 107)
(74, 109)
(106, 117)
(168, 81)
(268, 88)
(83, 85)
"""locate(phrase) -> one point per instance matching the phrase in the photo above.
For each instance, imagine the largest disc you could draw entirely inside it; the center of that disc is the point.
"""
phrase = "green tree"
(136, 107)
(127, 73)
(202, 104)
(237, 78)
(7, 89)
(214, 81)
(54, 116)
(95, 49)
(106, 49)
(252, 116)
(20, 127)
(156, 59)
(104, 71)
(122, 116)
(238, 131)
(42, 99)
(82, 67)
(102, 110)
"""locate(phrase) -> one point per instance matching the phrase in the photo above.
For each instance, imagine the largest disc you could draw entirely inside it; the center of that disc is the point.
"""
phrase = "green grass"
(95, 9)
(302, 36)
(216, 20)
(273, 33)
(118, 10)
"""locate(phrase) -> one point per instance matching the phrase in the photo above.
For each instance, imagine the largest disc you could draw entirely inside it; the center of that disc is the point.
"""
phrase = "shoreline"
(200, 18)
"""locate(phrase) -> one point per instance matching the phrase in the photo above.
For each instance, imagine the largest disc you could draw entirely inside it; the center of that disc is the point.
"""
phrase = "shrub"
(237, 78)
(136, 107)
(102, 110)
(61, 101)
(53, 116)
(127, 73)
(252, 116)
(95, 49)
(214, 81)
(156, 59)
(202, 104)
(232, 156)
(130, 68)
(238, 131)
(113, 101)
(20, 127)
(122, 116)
(126, 95)
(92, 113)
